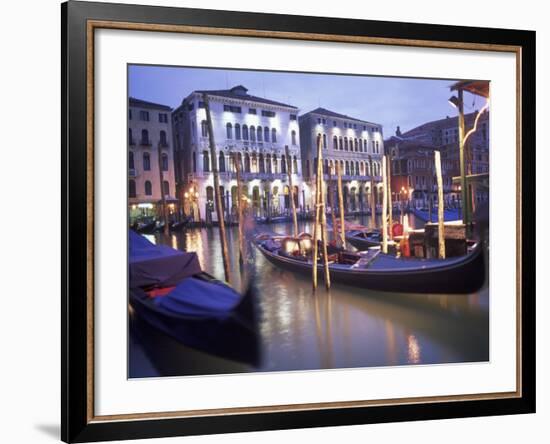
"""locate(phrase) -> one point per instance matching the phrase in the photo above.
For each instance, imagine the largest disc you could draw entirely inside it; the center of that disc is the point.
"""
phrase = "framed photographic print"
(277, 221)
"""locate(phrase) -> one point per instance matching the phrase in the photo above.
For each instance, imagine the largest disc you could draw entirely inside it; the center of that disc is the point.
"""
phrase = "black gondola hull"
(465, 276)
(231, 336)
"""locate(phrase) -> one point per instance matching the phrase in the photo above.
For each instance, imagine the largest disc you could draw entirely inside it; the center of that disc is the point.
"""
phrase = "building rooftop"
(240, 92)
(329, 113)
(442, 123)
(144, 104)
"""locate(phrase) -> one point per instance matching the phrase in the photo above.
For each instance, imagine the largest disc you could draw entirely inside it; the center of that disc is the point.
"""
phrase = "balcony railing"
(132, 172)
(164, 144)
(245, 175)
(145, 142)
(131, 142)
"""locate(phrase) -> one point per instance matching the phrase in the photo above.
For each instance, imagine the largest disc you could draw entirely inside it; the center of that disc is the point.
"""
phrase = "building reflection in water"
(346, 327)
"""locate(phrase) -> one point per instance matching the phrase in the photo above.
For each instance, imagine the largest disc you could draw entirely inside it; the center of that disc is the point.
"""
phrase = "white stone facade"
(353, 143)
(256, 130)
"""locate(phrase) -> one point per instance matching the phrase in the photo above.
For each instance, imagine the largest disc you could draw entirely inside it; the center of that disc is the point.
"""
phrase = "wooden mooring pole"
(320, 221)
(242, 245)
(219, 206)
(390, 199)
(291, 191)
(372, 195)
(164, 210)
(341, 206)
(440, 206)
(384, 207)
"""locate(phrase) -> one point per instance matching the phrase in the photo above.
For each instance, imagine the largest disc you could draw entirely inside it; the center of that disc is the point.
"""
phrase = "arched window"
(347, 168)
(293, 137)
(204, 128)
(144, 137)
(247, 162)
(245, 132)
(221, 163)
(266, 134)
(131, 188)
(283, 164)
(295, 165)
(273, 135)
(324, 141)
(229, 130)
(131, 160)
(164, 162)
(205, 161)
(335, 143)
(237, 131)
(357, 168)
(163, 141)
(341, 143)
(356, 145)
(268, 163)
(194, 163)
(148, 188)
(146, 162)
(166, 188)
(252, 134)
(259, 133)
(262, 164)
(346, 147)
(352, 168)
(275, 164)
(325, 167)
(315, 166)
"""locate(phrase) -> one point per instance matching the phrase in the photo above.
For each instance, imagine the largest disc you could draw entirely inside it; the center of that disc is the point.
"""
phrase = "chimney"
(398, 131)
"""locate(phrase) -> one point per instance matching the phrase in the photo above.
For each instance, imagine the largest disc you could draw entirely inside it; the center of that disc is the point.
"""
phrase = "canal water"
(300, 330)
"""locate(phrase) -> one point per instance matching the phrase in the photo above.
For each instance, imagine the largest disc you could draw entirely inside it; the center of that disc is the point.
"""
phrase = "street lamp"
(455, 101)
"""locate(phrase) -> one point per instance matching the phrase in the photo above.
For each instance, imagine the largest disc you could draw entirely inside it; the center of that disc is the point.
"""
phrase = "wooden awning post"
(384, 207)
(219, 206)
(291, 190)
(440, 206)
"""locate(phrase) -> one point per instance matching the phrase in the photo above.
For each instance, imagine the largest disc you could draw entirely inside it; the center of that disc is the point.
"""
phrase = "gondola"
(178, 226)
(146, 227)
(383, 272)
(363, 240)
(169, 291)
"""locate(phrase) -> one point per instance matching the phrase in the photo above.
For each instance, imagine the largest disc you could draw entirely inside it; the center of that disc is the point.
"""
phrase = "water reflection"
(345, 327)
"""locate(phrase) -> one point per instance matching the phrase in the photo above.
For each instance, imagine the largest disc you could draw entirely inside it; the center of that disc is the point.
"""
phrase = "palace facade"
(356, 145)
(252, 129)
(413, 169)
(149, 152)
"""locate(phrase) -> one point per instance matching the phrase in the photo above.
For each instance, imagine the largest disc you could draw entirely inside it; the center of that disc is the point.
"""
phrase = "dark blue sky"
(390, 101)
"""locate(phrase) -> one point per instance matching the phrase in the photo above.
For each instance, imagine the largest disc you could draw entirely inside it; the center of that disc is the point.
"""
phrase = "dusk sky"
(385, 100)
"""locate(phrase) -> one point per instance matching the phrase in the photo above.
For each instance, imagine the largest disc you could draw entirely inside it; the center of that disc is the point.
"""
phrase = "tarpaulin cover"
(197, 297)
(158, 265)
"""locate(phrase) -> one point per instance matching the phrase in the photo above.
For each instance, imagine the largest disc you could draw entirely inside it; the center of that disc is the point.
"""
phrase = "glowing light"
(413, 349)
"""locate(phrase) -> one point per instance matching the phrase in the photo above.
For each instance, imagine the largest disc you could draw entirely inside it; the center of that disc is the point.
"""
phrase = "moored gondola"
(178, 226)
(383, 272)
(169, 290)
